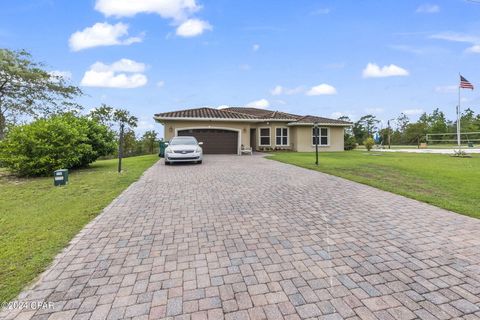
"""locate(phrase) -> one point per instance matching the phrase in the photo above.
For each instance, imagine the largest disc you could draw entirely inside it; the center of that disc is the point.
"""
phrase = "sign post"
(315, 126)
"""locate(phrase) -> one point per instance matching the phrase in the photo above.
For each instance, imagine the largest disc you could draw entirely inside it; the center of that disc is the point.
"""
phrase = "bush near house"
(369, 143)
(350, 142)
(61, 141)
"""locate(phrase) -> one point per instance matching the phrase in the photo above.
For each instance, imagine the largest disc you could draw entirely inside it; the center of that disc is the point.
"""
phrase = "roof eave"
(160, 119)
(292, 124)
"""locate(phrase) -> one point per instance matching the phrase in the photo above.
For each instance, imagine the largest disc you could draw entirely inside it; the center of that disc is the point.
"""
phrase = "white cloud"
(446, 89)
(180, 11)
(66, 75)
(413, 112)
(160, 83)
(123, 73)
(408, 49)
(102, 34)
(169, 9)
(256, 47)
(460, 37)
(424, 50)
(279, 90)
(428, 8)
(456, 37)
(474, 49)
(192, 28)
(321, 89)
(373, 70)
(261, 104)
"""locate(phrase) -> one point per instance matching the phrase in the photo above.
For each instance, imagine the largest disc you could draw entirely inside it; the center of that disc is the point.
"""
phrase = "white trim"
(320, 137)
(288, 136)
(239, 131)
(260, 136)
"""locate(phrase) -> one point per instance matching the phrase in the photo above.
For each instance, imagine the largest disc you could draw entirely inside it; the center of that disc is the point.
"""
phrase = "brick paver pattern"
(250, 238)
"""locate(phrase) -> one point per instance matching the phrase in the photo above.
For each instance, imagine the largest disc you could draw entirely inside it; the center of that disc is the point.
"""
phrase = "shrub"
(350, 142)
(62, 141)
(369, 143)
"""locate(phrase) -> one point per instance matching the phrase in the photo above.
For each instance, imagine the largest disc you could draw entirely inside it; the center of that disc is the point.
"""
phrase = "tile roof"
(312, 119)
(264, 114)
(204, 113)
(240, 113)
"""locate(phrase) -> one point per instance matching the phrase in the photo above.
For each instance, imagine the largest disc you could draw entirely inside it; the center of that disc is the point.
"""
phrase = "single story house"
(226, 131)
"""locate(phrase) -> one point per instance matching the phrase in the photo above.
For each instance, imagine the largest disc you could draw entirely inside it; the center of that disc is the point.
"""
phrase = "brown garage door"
(215, 141)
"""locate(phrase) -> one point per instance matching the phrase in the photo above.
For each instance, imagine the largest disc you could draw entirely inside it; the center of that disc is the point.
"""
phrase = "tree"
(437, 122)
(60, 141)
(121, 117)
(149, 140)
(402, 122)
(124, 119)
(349, 141)
(469, 122)
(348, 130)
(365, 127)
(102, 114)
(415, 132)
(130, 143)
(26, 89)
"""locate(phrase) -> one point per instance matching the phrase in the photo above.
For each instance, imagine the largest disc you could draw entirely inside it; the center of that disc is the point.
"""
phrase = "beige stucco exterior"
(303, 139)
(299, 137)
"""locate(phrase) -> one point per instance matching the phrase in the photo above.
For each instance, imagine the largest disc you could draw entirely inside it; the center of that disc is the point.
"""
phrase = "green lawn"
(37, 219)
(429, 146)
(441, 180)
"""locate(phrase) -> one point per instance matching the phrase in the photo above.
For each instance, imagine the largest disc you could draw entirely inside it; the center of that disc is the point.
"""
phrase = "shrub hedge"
(64, 141)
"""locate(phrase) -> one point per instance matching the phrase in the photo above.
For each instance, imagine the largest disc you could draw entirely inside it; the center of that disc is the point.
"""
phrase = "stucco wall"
(300, 137)
(303, 139)
(273, 126)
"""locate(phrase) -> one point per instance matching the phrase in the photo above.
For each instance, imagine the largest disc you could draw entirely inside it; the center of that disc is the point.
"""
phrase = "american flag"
(465, 84)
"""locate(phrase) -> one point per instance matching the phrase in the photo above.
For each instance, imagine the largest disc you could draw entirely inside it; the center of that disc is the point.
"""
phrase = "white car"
(183, 149)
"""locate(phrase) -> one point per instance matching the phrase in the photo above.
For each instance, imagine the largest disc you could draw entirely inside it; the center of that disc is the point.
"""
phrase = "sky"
(326, 58)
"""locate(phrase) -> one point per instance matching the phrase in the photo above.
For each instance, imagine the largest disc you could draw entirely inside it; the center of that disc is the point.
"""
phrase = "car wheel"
(199, 162)
(167, 163)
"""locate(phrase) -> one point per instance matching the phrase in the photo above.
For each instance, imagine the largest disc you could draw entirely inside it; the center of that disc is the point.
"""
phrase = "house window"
(281, 136)
(264, 136)
(322, 135)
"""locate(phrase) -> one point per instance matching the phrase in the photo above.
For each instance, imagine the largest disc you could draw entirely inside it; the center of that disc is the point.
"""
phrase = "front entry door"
(253, 138)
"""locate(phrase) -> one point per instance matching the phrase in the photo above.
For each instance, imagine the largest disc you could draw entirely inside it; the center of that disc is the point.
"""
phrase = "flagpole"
(458, 116)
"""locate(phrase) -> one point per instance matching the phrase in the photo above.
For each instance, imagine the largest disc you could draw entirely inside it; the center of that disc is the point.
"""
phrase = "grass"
(37, 220)
(429, 146)
(444, 181)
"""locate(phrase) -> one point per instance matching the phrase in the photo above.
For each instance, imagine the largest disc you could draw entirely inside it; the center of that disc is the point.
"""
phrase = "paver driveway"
(245, 237)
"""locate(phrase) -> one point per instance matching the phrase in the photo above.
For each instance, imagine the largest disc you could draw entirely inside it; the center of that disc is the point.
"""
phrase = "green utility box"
(162, 149)
(60, 177)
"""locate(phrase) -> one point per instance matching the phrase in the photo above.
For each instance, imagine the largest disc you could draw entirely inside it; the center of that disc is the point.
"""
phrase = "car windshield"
(191, 141)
